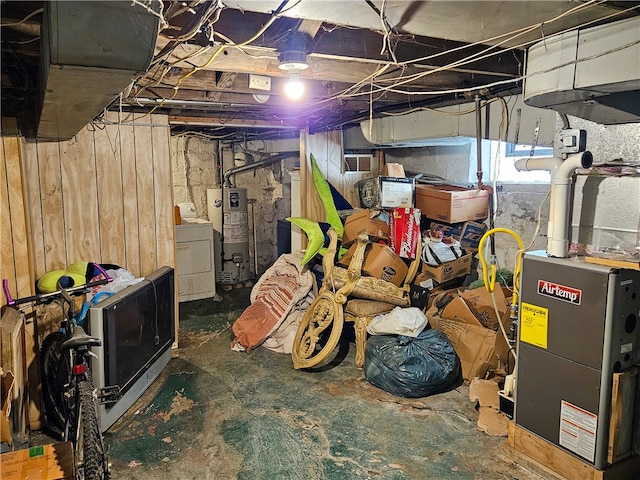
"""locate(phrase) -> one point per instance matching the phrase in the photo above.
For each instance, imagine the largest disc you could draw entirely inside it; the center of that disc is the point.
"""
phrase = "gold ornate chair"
(346, 295)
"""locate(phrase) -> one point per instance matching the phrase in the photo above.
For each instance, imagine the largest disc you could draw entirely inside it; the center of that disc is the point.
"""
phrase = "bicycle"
(69, 397)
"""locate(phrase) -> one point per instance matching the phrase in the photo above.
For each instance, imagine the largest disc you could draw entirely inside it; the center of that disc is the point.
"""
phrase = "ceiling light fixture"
(294, 88)
(293, 59)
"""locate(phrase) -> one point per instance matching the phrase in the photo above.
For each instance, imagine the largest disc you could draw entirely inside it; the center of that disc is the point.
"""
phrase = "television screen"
(136, 326)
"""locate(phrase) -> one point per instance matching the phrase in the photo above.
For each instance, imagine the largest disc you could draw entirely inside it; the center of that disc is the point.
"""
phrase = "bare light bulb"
(294, 88)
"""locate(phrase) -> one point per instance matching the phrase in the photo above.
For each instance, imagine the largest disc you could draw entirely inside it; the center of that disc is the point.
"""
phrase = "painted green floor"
(219, 414)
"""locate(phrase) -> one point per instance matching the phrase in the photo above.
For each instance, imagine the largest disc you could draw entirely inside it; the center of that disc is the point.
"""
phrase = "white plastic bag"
(122, 278)
(437, 253)
(399, 321)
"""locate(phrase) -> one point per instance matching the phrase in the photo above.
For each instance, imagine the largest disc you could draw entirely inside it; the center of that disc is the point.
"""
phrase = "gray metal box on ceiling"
(114, 34)
(90, 53)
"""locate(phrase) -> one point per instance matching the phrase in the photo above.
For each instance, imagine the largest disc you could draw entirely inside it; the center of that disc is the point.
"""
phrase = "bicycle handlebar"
(43, 297)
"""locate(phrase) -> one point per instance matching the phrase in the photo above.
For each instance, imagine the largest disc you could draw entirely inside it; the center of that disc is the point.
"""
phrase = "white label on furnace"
(626, 348)
(578, 430)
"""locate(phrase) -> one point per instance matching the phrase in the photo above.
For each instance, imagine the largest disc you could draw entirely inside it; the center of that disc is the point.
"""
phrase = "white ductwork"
(591, 73)
(559, 199)
(456, 125)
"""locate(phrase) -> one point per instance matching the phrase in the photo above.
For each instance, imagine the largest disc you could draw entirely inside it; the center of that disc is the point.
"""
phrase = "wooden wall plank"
(34, 201)
(163, 187)
(55, 249)
(130, 202)
(146, 198)
(326, 148)
(84, 200)
(7, 269)
(19, 227)
(110, 195)
(77, 162)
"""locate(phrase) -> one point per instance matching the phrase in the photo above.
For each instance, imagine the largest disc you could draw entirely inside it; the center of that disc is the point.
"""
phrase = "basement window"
(508, 153)
(356, 162)
(513, 150)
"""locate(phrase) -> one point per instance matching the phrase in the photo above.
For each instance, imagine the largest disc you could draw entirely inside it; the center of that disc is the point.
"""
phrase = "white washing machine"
(195, 267)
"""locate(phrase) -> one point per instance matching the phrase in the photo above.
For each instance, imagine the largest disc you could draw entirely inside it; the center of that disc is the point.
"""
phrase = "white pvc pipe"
(561, 173)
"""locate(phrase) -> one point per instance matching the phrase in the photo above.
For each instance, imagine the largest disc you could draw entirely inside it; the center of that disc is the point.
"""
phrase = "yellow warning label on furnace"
(534, 324)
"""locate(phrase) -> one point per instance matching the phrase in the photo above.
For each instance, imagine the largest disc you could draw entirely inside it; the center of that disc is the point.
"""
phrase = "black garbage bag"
(412, 367)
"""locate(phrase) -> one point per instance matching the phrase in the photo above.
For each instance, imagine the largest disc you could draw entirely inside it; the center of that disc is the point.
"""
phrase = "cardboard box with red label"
(404, 231)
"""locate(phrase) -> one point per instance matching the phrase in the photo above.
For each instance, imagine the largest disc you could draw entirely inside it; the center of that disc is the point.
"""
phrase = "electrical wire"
(375, 88)
(215, 55)
(32, 14)
(487, 53)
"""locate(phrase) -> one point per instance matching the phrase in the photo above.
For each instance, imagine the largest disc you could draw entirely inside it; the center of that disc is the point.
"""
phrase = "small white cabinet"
(195, 266)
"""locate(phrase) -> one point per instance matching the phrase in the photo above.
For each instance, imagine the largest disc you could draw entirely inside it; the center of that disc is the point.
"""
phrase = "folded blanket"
(278, 290)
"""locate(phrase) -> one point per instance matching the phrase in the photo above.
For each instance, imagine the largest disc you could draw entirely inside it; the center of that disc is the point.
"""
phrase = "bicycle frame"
(68, 386)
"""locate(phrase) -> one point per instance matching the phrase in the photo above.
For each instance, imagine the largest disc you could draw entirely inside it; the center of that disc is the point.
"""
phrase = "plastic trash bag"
(399, 321)
(412, 367)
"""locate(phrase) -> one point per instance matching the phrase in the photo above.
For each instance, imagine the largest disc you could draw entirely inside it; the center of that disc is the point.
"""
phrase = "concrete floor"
(219, 414)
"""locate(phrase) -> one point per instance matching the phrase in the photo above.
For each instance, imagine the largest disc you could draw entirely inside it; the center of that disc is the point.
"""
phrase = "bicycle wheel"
(55, 375)
(90, 456)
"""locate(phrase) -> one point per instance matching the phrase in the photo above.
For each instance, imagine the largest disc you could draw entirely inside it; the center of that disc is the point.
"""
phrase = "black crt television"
(137, 330)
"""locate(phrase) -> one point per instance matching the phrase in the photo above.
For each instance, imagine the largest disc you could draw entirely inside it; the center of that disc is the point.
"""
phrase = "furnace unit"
(578, 330)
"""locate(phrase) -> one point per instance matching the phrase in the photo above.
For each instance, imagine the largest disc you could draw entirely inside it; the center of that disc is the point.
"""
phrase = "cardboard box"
(404, 230)
(448, 270)
(467, 233)
(451, 204)
(47, 462)
(474, 344)
(386, 192)
(362, 221)
(379, 262)
(481, 304)
(394, 170)
(478, 347)
(396, 192)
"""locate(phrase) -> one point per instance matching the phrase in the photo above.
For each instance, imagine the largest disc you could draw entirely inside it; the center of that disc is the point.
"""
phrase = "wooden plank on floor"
(13, 359)
(565, 465)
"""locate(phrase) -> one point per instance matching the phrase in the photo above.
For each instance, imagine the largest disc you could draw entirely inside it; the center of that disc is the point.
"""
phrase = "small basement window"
(357, 162)
(508, 154)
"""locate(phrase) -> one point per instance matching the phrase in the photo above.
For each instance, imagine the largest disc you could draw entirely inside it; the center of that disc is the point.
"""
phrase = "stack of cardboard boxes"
(469, 318)
(392, 224)
(456, 211)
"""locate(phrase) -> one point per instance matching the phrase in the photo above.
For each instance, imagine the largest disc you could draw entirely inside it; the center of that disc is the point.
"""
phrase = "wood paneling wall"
(327, 149)
(15, 263)
(105, 196)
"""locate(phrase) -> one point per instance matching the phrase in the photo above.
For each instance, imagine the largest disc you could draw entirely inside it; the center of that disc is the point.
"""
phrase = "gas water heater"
(578, 341)
(228, 212)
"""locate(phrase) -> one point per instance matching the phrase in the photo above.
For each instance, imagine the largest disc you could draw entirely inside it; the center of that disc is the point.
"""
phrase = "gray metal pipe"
(252, 166)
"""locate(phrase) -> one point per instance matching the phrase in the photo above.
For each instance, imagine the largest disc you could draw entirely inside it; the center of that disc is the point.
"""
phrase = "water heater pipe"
(561, 180)
(252, 166)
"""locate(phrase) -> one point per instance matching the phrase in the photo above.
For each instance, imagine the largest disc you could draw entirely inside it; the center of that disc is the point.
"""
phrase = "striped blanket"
(279, 290)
